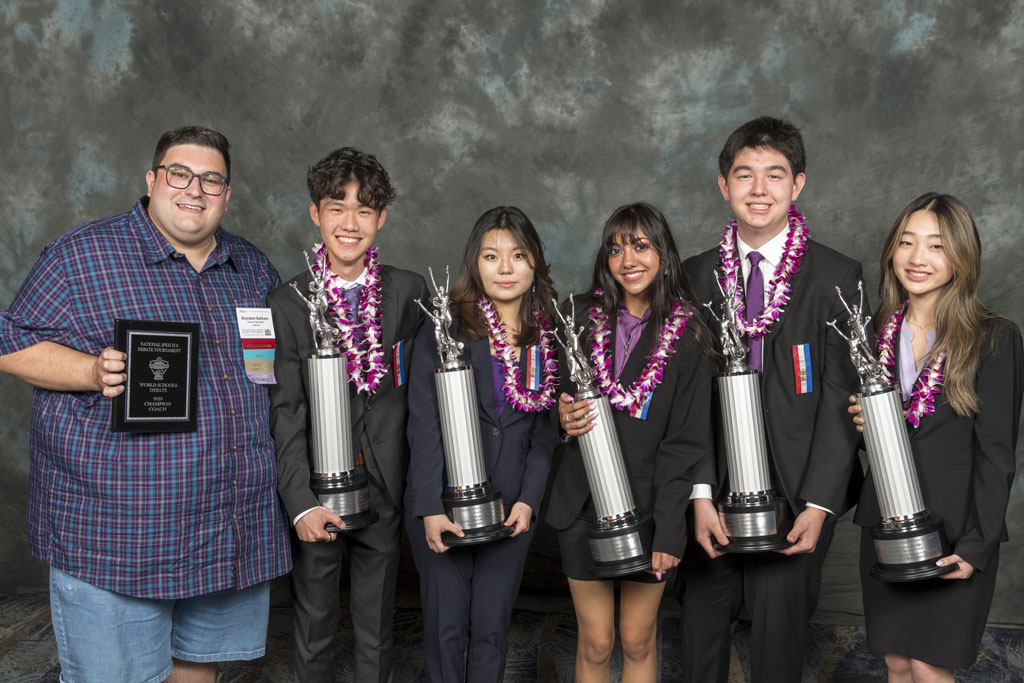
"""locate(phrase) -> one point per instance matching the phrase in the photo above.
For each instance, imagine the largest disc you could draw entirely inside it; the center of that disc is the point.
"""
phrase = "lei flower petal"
(778, 285)
(364, 359)
(520, 399)
(929, 383)
(652, 375)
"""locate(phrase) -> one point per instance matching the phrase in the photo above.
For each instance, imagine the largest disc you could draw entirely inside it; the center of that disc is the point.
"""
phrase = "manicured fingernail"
(939, 563)
(658, 574)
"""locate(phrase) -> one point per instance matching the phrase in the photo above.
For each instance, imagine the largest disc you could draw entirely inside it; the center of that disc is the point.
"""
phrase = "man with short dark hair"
(160, 545)
(787, 284)
(373, 307)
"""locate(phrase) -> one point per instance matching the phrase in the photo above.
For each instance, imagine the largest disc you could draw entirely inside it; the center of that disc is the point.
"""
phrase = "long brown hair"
(961, 320)
(469, 287)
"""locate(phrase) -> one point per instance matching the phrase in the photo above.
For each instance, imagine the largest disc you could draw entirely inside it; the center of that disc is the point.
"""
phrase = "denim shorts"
(106, 636)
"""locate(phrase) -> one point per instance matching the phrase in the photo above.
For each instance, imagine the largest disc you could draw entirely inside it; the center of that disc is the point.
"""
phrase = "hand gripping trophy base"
(754, 522)
(478, 511)
(347, 495)
(621, 546)
(906, 550)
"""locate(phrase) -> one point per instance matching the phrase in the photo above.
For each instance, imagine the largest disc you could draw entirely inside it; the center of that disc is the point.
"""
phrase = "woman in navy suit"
(502, 311)
(960, 369)
(653, 357)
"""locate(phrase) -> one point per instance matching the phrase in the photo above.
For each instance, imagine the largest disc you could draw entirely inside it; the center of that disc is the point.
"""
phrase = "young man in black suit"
(806, 377)
(349, 193)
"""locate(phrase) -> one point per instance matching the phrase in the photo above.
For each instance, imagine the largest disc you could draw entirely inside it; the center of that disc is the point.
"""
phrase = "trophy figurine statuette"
(754, 518)
(469, 499)
(620, 541)
(908, 539)
(338, 482)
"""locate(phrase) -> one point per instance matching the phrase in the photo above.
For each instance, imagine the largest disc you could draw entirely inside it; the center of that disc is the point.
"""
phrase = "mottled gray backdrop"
(566, 109)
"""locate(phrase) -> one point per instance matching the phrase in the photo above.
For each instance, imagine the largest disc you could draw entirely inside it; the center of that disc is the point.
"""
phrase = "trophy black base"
(754, 524)
(347, 495)
(622, 547)
(907, 551)
(480, 515)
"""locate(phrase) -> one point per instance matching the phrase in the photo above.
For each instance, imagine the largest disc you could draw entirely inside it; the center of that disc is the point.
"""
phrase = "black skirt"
(936, 621)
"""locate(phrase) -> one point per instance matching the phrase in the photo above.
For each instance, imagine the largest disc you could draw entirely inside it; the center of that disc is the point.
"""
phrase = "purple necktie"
(754, 305)
(352, 299)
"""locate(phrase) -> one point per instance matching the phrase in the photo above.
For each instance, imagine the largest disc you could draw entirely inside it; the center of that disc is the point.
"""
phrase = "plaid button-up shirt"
(150, 515)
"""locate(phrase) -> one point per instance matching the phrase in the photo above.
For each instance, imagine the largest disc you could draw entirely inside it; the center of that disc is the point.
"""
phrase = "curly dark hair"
(328, 177)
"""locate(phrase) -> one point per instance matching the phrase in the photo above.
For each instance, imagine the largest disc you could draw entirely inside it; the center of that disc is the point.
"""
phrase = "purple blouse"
(498, 385)
(909, 370)
(628, 332)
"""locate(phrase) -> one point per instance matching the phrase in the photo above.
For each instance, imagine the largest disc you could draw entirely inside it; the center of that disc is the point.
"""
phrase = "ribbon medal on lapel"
(802, 375)
(396, 363)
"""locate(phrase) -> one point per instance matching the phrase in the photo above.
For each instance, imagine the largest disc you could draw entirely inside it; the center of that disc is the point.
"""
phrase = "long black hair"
(670, 282)
(469, 287)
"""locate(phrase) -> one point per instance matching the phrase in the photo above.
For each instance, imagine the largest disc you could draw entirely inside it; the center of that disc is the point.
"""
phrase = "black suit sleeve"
(288, 409)
(685, 449)
(543, 439)
(426, 456)
(1000, 384)
(834, 444)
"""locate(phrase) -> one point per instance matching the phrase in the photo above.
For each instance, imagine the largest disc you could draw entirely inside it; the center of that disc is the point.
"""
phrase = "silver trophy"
(340, 484)
(754, 518)
(908, 539)
(469, 499)
(620, 541)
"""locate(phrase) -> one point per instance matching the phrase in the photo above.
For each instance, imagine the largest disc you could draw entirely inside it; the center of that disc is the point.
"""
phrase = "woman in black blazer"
(960, 369)
(502, 304)
(655, 342)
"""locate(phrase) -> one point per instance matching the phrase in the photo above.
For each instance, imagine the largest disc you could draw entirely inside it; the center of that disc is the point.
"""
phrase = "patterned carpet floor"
(542, 648)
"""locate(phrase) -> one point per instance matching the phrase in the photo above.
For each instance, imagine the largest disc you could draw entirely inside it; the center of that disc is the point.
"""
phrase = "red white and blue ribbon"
(802, 375)
(396, 363)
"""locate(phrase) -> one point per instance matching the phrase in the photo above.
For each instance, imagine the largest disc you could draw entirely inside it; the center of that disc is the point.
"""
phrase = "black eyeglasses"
(180, 177)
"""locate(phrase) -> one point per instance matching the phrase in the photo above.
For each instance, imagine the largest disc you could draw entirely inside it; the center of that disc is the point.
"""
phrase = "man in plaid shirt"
(160, 546)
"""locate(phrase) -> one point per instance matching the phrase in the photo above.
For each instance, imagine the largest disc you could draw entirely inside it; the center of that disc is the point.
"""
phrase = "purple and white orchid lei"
(366, 366)
(778, 286)
(518, 398)
(929, 383)
(636, 395)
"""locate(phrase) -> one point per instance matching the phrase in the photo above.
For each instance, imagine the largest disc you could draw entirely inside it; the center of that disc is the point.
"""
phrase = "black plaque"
(163, 375)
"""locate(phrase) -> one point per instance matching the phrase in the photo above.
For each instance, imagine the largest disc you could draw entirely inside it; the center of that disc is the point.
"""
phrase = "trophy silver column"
(620, 541)
(908, 539)
(754, 518)
(340, 484)
(469, 499)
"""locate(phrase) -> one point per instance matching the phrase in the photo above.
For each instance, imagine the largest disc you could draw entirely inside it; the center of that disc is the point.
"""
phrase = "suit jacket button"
(495, 432)
(369, 406)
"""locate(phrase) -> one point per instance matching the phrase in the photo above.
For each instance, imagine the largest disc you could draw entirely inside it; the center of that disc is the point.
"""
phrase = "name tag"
(256, 331)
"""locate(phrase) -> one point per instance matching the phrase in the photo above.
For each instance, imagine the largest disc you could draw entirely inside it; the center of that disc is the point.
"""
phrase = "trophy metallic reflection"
(469, 499)
(908, 539)
(754, 518)
(620, 541)
(338, 482)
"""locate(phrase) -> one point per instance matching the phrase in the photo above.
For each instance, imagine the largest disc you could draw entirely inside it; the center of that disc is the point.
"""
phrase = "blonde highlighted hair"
(961, 320)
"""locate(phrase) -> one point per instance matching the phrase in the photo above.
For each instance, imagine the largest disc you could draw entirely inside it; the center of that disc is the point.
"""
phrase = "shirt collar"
(361, 280)
(156, 248)
(771, 250)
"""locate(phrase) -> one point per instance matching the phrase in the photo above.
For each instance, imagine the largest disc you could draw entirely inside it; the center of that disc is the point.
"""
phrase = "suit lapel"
(796, 286)
(480, 358)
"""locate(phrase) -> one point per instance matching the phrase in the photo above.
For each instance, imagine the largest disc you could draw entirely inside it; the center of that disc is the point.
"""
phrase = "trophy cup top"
(733, 348)
(447, 348)
(325, 335)
(579, 369)
(871, 371)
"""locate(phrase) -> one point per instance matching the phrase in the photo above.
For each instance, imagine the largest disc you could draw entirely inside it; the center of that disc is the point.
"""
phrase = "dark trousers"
(780, 593)
(373, 570)
(467, 595)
